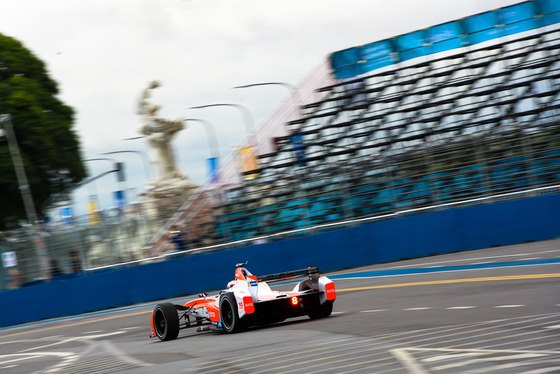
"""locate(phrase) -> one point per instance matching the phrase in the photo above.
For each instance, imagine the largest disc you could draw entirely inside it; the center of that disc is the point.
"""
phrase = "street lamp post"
(290, 87)
(24, 188)
(247, 153)
(210, 134)
(142, 156)
(120, 176)
(246, 114)
(213, 161)
(287, 85)
(25, 191)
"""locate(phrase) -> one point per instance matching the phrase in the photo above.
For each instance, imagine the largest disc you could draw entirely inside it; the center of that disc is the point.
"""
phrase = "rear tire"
(322, 311)
(229, 316)
(319, 310)
(166, 321)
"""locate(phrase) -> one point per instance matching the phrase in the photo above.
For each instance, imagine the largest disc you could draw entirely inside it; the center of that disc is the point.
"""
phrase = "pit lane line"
(358, 275)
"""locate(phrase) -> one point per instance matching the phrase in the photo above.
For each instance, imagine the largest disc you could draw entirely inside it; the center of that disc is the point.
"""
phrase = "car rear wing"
(311, 271)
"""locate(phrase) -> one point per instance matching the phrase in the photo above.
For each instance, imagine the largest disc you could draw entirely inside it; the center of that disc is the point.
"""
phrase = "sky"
(103, 53)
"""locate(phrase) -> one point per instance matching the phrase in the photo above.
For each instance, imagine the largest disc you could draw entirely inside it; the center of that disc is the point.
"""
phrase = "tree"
(42, 124)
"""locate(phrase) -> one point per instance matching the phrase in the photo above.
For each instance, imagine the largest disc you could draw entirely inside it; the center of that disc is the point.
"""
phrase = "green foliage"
(48, 144)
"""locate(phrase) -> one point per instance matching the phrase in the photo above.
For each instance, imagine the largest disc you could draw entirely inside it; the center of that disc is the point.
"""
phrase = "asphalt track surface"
(495, 310)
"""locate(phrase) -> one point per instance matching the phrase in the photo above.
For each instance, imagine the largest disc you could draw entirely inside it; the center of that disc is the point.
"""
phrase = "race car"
(247, 301)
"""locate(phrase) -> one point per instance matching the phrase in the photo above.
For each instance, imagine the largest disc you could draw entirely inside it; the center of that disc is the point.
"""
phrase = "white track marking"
(483, 328)
(419, 308)
(438, 331)
(555, 369)
(461, 307)
(509, 306)
(373, 310)
(499, 368)
(553, 327)
(450, 356)
(489, 359)
(82, 338)
(26, 356)
(408, 361)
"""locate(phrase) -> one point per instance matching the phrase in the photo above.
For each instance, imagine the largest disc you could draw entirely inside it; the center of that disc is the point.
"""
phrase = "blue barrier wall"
(452, 230)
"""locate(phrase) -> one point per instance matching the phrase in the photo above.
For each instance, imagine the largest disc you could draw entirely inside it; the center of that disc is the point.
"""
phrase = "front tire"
(166, 321)
(229, 316)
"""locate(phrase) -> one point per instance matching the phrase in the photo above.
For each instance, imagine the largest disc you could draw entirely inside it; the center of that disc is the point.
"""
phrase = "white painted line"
(487, 328)
(555, 369)
(92, 332)
(338, 313)
(481, 351)
(451, 356)
(373, 310)
(15, 357)
(421, 308)
(482, 263)
(488, 359)
(408, 361)
(509, 306)
(553, 327)
(461, 307)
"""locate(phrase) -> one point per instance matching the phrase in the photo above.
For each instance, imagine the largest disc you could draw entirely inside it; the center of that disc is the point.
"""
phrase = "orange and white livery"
(248, 301)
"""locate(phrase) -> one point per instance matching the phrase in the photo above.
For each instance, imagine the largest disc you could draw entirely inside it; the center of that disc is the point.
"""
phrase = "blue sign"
(120, 200)
(66, 215)
(476, 29)
(212, 163)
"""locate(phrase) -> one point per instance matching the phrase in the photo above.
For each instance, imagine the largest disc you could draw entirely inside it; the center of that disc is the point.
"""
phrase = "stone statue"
(160, 132)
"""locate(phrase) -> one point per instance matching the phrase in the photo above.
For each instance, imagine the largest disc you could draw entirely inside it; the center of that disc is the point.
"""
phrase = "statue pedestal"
(165, 197)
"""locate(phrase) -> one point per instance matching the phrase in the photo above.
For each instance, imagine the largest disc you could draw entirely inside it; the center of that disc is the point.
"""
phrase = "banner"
(212, 163)
(93, 214)
(472, 30)
(248, 161)
(66, 215)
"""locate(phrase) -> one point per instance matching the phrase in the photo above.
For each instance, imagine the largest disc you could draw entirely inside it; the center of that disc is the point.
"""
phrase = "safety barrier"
(452, 230)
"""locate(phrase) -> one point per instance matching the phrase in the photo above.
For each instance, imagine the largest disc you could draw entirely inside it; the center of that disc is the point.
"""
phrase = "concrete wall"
(452, 230)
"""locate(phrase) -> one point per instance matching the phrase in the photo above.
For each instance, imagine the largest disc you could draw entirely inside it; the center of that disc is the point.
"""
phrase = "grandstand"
(422, 132)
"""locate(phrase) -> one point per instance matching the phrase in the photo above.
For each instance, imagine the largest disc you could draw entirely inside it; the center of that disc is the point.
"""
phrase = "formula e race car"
(247, 301)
